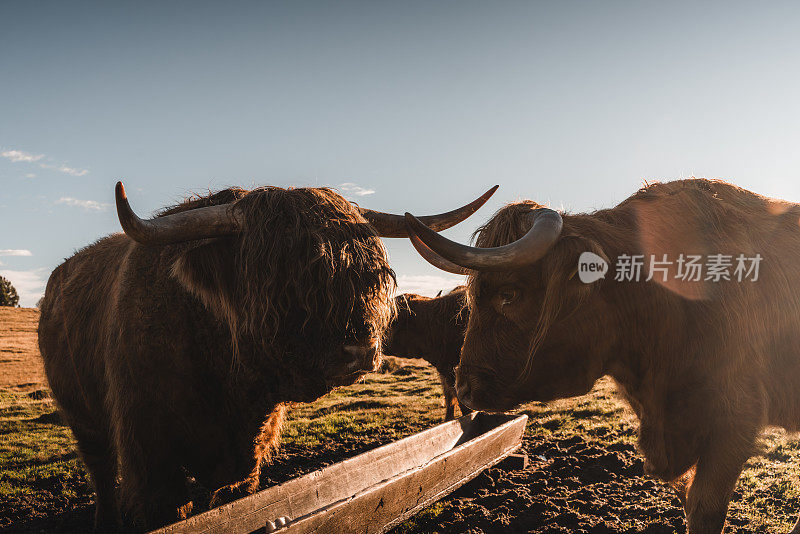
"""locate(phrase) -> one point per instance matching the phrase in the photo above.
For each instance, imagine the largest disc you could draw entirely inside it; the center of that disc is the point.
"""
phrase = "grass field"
(584, 474)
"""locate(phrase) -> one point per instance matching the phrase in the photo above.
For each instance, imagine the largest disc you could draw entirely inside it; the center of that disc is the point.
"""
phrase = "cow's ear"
(571, 254)
(208, 272)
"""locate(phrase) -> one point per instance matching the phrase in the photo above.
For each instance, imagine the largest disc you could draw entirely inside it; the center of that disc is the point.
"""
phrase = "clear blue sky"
(424, 103)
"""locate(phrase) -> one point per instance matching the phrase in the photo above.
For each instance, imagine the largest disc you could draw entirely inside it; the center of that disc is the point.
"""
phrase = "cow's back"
(748, 323)
(764, 309)
(76, 315)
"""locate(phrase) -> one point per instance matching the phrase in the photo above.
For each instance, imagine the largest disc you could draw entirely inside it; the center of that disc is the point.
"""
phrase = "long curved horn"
(200, 223)
(388, 225)
(435, 259)
(217, 221)
(523, 252)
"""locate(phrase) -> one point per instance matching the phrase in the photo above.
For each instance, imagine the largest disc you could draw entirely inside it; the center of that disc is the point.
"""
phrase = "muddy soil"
(569, 486)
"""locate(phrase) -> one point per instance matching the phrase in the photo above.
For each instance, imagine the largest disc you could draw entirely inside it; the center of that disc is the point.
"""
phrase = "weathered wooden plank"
(380, 507)
(372, 491)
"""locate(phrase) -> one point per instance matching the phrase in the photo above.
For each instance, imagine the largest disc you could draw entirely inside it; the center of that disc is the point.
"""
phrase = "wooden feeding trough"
(374, 491)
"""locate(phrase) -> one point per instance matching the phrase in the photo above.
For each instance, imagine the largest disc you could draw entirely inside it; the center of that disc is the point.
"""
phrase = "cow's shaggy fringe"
(323, 238)
(510, 223)
(348, 245)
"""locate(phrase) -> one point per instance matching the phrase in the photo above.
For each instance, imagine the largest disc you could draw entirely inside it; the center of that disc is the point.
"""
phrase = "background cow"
(432, 329)
(705, 363)
(172, 349)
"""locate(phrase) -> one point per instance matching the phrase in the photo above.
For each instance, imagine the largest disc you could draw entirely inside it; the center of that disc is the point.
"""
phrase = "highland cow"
(171, 349)
(705, 360)
(432, 329)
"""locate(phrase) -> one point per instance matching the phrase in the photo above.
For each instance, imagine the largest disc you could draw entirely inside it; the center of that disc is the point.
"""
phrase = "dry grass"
(19, 349)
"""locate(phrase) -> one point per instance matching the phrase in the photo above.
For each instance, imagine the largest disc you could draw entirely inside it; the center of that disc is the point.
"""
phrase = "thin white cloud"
(29, 284)
(72, 171)
(30, 175)
(65, 169)
(85, 204)
(350, 188)
(18, 155)
(15, 252)
(427, 285)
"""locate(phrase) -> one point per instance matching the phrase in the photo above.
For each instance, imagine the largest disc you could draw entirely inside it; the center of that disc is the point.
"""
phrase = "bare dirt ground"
(584, 474)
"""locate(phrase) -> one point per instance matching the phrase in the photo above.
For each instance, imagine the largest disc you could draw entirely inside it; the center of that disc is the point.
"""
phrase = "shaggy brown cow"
(432, 329)
(705, 363)
(172, 349)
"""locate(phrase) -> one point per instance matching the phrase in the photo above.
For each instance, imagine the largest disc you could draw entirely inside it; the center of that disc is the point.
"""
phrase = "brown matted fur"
(322, 235)
(180, 359)
(704, 364)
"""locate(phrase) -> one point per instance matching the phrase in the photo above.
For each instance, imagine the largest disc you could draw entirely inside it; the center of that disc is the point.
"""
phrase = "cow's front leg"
(715, 477)
(448, 380)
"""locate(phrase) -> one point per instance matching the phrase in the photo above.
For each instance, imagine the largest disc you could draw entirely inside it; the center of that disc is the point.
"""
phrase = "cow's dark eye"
(508, 295)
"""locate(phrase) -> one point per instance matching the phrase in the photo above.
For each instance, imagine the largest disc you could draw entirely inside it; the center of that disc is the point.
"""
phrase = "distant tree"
(8, 295)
